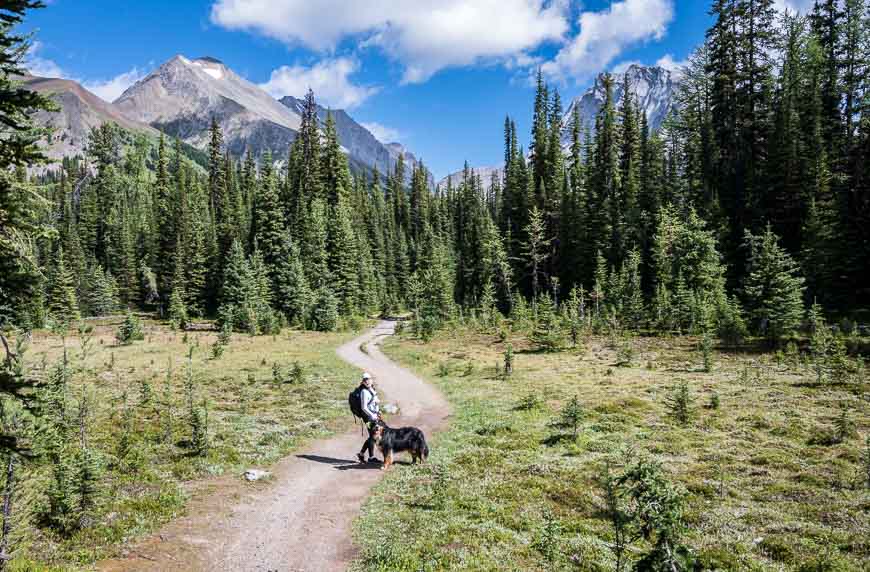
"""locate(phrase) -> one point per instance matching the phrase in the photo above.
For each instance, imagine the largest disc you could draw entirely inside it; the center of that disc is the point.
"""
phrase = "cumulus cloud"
(111, 89)
(669, 63)
(425, 36)
(108, 89)
(383, 133)
(604, 35)
(329, 78)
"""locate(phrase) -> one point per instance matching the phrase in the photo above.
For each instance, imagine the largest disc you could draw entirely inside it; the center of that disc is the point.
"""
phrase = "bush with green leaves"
(529, 402)
(297, 374)
(130, 331)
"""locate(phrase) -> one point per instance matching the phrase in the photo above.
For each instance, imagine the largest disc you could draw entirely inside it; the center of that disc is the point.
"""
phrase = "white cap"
(366, 375)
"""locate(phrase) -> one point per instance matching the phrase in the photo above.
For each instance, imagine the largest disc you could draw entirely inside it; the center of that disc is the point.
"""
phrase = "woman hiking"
(370, 405)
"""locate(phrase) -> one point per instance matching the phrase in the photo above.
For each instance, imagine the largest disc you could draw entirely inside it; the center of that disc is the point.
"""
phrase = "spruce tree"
(773, 288)
(18, 148)
(63, 303)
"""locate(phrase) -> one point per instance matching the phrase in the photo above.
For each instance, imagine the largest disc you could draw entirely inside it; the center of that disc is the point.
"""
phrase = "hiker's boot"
(361, 457)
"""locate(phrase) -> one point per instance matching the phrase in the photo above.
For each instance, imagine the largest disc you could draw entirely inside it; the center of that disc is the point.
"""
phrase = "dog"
(391, 441)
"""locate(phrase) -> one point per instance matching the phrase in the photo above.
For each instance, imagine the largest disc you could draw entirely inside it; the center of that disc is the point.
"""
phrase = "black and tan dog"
(391, 441)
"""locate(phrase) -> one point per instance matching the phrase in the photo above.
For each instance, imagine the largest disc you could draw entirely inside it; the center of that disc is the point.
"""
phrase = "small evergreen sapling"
(547, 332)
(178, 317)
(680, 403)
(166, 406)
(844, 427)
(197, 414)
(643, 505)
(570, 418)
(866, 460)
(130, 331)
(548, 537)
(705, 344)
(297, 374)
(509, 360)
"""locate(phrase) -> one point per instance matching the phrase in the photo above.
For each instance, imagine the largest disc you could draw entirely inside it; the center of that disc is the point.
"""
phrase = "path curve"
(302, 520)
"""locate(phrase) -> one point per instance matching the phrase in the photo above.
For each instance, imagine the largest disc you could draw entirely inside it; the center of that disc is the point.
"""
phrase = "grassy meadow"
(773, 469)
(137, 423)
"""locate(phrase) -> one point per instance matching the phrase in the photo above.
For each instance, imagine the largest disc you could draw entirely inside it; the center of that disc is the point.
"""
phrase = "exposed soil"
(300, 519)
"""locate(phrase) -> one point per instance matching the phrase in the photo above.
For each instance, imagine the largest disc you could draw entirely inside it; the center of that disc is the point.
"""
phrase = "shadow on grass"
(558, 438)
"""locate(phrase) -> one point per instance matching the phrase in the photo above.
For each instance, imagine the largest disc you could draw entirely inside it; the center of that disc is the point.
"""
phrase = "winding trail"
(301, 520)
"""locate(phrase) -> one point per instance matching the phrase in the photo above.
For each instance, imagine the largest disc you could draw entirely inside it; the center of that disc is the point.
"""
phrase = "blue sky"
(438, 75)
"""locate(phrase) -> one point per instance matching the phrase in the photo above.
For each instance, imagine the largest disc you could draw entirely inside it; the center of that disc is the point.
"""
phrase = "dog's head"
(378, 434)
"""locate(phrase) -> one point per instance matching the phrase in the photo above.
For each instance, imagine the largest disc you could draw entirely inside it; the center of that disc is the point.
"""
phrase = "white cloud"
(383, 133)
(622, 67)
(424, 35)
(606, 34)
(329, 78)
(109, 89)
(669, 63)
(40, 66)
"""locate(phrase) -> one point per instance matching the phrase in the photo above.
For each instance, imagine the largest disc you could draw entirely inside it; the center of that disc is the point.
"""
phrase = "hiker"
(370, 407)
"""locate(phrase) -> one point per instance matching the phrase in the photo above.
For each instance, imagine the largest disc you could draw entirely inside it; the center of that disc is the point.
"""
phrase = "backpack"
(354, 399)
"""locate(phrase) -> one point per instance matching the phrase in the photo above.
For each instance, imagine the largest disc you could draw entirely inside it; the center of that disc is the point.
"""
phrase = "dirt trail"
(302, 519)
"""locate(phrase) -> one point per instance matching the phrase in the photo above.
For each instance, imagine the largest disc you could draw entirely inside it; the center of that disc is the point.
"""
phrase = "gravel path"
(301, 520)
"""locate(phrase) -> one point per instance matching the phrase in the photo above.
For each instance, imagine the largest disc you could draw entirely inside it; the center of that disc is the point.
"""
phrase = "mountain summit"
(653, 89)
(182, 96)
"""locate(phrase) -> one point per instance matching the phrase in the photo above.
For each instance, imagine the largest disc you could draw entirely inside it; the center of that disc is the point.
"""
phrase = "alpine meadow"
(635, 340)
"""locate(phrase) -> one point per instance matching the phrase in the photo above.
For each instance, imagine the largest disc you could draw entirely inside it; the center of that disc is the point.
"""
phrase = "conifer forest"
(738, 229)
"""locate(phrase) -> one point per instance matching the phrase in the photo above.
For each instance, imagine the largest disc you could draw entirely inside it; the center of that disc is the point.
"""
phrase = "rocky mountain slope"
(363, 148)
(182, 96)
(485, 173)
(78, 112)
(652, 87)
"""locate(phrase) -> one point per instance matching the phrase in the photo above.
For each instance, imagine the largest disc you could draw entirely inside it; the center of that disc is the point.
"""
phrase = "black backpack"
(354, 399)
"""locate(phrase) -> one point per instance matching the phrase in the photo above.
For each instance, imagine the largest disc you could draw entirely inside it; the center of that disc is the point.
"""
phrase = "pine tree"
(268, 222)
(18, 148)
(294, 296)
(536, 250)
(773, 288)
(102, 292)
(63, 304)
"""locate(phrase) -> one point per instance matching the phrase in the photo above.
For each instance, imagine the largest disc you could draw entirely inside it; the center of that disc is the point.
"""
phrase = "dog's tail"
(425, 451)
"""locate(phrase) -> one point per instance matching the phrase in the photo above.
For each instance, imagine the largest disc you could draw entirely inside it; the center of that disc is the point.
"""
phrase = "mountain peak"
(209, 59)
(653, 89)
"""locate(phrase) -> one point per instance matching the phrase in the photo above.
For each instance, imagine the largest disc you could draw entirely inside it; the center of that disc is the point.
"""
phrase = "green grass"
(253, 421)
(505, 490)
